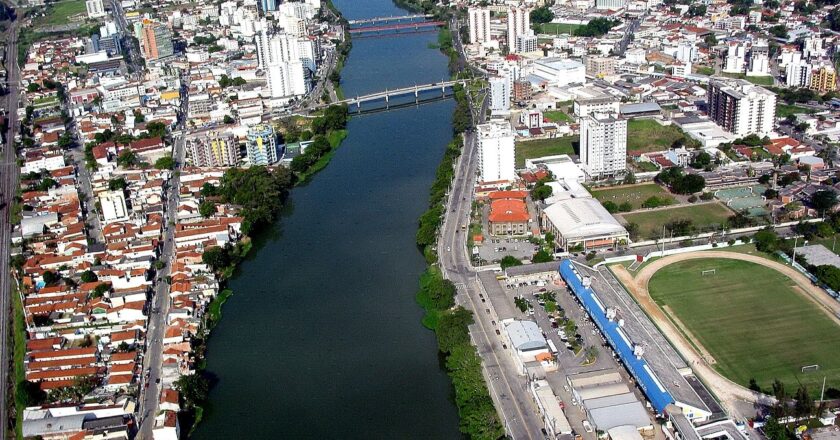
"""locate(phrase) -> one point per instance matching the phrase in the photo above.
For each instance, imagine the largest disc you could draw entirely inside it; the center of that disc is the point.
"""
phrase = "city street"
(8, 190)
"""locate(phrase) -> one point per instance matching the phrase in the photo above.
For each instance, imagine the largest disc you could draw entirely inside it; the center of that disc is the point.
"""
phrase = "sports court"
(750, 198)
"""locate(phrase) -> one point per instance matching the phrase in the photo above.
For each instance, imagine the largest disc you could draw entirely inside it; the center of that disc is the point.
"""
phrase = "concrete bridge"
(396, 27)
(387, 19)
(388, 94)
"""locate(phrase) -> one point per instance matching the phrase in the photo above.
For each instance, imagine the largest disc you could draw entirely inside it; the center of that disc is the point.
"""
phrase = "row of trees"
(681, 183)
(596, 27)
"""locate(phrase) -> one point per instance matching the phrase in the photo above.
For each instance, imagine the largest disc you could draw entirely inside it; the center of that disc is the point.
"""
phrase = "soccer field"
(703, 216)
(753, 322)
(635, 194)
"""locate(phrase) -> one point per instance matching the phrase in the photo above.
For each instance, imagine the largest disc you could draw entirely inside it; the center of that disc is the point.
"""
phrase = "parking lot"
(495, 248)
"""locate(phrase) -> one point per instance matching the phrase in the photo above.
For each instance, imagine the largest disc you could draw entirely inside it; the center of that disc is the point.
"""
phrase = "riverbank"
(478, 416)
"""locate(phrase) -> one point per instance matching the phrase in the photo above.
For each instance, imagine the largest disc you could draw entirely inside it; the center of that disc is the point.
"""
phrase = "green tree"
(50, 278)
(542, 257)
(156, 129)
(543, 14)
(117, 184)
(88, 276)
(207, 209)
(541, 191)
(450, 330)
(824, 200)
(127, 158)
(194, 389)
(509, 261)
(100, 290)
(165, 163)
(30, 393)
(766, 240)
(610, 206)
(227, 120)
(216, 257)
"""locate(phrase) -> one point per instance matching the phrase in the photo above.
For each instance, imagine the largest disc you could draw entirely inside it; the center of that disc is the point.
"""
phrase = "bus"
(552, 347)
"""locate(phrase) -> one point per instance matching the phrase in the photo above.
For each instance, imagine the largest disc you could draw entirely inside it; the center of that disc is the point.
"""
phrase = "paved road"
(150, 387)
(508, 390)
(8, 187)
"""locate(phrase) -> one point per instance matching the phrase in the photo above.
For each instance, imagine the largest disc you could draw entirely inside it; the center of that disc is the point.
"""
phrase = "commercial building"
(556, 423)
(156, 41)
(479, 25)
(508, 213)
(262, 145)
(112, 204)
(600, 66)
(499, 93)
(741, 107)
(212, 149)
(556, 71)
(496, 152)
(526, 339)
(279, 56)
(603, 144)
(519, 23)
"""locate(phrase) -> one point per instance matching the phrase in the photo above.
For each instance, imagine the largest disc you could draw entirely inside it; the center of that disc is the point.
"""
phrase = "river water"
(322, 338)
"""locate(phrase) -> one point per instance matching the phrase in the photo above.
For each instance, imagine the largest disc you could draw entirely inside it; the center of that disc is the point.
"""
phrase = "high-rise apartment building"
(95, 9)
(262, 145)
(603, 144)
(741, 107)
(279, 57)
(212, 149)
(526, 43)
(519, 23)
(798, 74)
(499, 93)
(823, 79)
(156, 40)
(496, 151)
(479, 25)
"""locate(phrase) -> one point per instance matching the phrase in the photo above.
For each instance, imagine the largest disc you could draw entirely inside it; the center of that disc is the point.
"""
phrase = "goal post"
(708, 272)
(810, 368)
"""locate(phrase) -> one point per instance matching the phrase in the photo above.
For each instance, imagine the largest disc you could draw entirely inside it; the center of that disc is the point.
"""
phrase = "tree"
(228, 120)
(194, 389)
(439, 291)
(139, 118)
(541, 191)
(542, 257)
(702, 160)
(696, 10)
(509, 261)
(710, 40)
(33, 88)
(543, 14)
(30, 393)
(824, 200)
(829, 275)
(766, 240)
(450, 330)
(165, 163)
(127, 158)
(629, 178)
(207, 209)
(51, 278)
(610, 206)
(596, 27)
(118, 184)
(216, 257)
(88, 276)
(779, 31)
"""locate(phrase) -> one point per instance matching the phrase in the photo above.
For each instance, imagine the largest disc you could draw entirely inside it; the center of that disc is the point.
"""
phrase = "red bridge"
(398, 26)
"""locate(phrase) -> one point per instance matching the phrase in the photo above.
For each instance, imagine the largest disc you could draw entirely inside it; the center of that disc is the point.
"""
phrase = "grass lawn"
(759, 80)
(752, 321)
(545, 147)
(635, 194)
(557, 116)
(703, 70)
(59, 13)
(557, 28)
(702, 216)
(783, 110)
(648, 135)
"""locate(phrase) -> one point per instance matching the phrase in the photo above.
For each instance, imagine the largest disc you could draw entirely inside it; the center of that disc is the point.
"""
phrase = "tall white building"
(603, 144)
(95, 8)
(496, 151)
(735, 61)
(798, 74)
(280, 58)
(499, 93)
(519, 23)
(741, 107)
(526, 43)
(479, 25)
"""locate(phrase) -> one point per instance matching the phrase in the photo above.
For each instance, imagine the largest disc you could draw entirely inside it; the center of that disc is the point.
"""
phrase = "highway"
(150, 386)
(8, 188)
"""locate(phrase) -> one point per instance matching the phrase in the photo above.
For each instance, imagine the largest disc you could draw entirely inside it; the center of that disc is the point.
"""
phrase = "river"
(322, 338)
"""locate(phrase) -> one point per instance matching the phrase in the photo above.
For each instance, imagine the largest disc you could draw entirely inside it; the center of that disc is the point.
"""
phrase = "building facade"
(496, 151)
(156, 41)
(740, 107)
(213, 149)
(519, 23)
(603, 144)
(499, 93)
(823, 79)
(479, 25)
(262, 145)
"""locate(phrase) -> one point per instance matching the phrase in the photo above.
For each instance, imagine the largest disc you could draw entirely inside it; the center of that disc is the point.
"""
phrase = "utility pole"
(793, 260)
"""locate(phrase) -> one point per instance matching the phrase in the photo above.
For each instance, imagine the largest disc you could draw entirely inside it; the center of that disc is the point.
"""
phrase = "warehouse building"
(583, 222)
